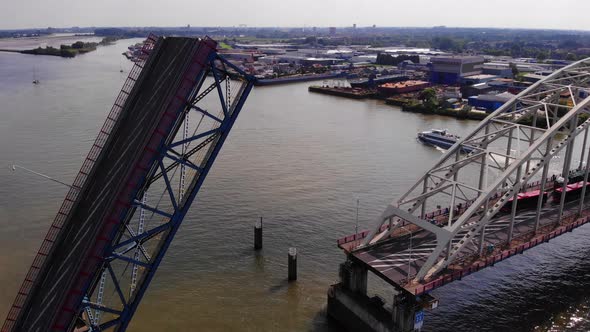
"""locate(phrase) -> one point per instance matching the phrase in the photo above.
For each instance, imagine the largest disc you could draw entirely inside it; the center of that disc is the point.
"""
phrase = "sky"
(537, 14)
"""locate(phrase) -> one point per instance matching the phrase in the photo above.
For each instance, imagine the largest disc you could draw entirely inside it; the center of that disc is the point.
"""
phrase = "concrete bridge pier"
(353, 276)
(350, 306)
(404, 310)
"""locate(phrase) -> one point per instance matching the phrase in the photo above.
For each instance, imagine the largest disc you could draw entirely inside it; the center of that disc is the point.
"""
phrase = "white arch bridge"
(470, 210)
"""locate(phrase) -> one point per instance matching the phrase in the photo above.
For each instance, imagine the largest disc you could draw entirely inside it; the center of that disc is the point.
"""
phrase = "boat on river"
(441, 138)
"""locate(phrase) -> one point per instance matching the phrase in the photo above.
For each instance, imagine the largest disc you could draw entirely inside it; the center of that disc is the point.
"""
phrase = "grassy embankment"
(70, 51)
(224, 46)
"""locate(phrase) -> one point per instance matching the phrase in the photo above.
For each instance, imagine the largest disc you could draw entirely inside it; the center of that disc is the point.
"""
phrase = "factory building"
(499, 69)
(477, 79)
(478, 89)
(490, 102)
(320, 61)
(450, 69)
(242, 56)
(367, 58)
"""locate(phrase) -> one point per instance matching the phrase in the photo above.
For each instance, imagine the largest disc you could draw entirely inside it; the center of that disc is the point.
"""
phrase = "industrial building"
(510, 85)
(490, 102)
(478, 89)
(366, 58)
(320, 61)
(395, 59)
(499, 69)
(476, 79)
(242, 56)
(450, 69)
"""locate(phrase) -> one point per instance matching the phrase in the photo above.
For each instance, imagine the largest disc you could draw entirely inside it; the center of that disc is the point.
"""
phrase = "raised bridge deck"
(121, 159)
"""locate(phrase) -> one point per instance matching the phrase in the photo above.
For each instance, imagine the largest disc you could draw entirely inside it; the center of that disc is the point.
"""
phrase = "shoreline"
(65, 50)
(294, 79)
(10, 51)
(398, 101)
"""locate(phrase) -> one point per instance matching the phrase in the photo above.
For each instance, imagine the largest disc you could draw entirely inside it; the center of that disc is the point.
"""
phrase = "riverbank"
(467, 113)
(353, 93)
(463, 113)
(65, 50)
(408, 102)
(295, 79)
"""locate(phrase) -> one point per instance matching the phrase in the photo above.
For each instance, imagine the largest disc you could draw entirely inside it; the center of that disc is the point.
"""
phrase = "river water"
(298, 159)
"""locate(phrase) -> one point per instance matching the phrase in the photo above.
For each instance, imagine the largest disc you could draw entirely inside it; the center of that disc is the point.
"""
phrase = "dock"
(295, 79)
(353, 93)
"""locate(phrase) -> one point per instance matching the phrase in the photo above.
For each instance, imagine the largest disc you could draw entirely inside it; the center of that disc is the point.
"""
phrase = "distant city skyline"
(534, 14)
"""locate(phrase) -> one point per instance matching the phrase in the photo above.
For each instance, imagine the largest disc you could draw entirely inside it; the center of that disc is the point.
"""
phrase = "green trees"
(66, 51)
(571, 57)
(429, 99)
(428, 94)
(78, 45)
(448, 44)
(543, 55)
(311, 40)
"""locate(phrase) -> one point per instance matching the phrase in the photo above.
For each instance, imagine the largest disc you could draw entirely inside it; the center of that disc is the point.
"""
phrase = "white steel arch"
(511, 147)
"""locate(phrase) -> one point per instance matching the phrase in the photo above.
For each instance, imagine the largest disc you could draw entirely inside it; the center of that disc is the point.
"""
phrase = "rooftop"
(323, 59)
(403, 84)
(457, 59)
(536, 76)
(502, 97)
(480, 86)
(480, 77)
(504, 80)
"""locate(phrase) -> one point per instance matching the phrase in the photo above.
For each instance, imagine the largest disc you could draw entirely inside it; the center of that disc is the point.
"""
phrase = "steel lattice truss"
(160, 207)
(510, 148)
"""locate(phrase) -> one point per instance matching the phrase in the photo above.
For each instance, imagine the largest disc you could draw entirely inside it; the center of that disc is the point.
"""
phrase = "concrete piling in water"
(258, 235)
(292, 264)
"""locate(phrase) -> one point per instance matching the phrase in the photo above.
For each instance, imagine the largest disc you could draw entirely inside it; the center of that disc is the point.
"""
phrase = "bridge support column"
(404, 311)
(354, 277)
(350, 306)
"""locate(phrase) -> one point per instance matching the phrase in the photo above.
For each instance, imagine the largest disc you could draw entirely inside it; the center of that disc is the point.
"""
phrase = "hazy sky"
(549, 14)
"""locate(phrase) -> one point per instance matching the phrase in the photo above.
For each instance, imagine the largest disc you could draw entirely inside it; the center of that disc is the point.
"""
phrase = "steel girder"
(508, 149)
(183, 163)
